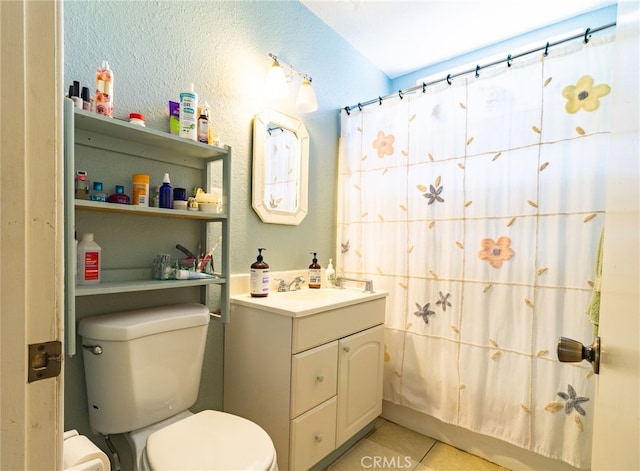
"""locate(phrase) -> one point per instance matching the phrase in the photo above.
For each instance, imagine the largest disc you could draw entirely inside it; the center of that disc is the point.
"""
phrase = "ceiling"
(400, 36)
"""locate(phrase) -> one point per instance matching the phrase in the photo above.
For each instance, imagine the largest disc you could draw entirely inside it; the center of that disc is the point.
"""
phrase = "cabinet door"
(360, 361)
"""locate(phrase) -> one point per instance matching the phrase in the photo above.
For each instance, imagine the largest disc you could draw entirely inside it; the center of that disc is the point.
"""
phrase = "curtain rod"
(586, 36)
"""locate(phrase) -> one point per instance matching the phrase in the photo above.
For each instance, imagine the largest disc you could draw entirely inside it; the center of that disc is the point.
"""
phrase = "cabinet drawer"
(313, 435)
(318, 329)
(313, 377)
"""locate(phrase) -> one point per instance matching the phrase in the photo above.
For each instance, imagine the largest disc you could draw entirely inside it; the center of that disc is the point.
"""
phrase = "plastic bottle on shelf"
(119, 196)
(97, 194)
(259, 277)
(188, 117)
(137, 118)
(315, 273)
(203, 125)
(155, 198)
(104, 90)
(166, 193)
(82, 185)
(140, 185)
(89, 260)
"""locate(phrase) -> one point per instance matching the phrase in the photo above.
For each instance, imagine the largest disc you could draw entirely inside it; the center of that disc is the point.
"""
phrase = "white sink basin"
(306, 301)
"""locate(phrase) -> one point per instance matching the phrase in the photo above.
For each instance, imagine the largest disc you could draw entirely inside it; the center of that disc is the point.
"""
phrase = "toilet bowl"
(143, 370)
(210, 440)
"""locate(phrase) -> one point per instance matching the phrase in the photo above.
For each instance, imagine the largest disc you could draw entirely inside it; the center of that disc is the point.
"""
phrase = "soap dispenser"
(259, 277)
(315, 273)
(330, 275)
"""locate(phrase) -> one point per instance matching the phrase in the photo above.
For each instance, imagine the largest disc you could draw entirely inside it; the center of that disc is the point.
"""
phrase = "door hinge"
(45, 360)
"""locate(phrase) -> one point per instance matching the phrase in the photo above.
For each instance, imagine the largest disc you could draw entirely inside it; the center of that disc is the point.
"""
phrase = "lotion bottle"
(330, 275)
(188, 114)
(315, 273)
(259, 277)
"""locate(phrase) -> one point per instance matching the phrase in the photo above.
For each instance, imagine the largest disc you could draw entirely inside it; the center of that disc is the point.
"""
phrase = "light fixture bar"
(290, 67)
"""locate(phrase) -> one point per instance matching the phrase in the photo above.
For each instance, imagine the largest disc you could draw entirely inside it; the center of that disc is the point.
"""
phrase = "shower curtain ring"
(380, 100)
(546, 49)
(400, 94)
(424, 87)
(348, 110)
(477, 71)
(587, 35)
(509, 60)
(360, 106)
(449, 79)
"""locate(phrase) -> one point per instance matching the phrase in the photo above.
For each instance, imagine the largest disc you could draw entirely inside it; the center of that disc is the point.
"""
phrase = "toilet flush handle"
(95, 349)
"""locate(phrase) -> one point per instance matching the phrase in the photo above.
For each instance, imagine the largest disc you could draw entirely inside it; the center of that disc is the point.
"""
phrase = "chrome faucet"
(295, 283)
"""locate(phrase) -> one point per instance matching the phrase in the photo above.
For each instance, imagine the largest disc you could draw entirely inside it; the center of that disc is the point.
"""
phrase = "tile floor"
(393, 447)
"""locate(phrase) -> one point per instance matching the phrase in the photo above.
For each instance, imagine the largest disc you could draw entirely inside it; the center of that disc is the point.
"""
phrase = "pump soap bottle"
(330, 275)
(259, 277)
(315, 273)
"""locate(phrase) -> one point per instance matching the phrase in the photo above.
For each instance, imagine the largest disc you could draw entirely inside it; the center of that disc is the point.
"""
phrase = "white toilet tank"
(142, 366)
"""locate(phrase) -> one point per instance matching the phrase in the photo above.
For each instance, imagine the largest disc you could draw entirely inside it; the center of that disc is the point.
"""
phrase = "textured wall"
(158, 48)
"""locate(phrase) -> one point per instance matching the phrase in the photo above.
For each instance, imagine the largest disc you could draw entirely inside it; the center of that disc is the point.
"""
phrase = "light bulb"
(306, 102)
(276, 86)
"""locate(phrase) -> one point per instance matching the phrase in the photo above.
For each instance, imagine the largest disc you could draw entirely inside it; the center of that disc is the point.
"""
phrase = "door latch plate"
(45, 360)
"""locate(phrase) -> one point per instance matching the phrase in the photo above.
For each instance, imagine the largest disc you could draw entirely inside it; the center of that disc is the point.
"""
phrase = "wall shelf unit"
(111, 150)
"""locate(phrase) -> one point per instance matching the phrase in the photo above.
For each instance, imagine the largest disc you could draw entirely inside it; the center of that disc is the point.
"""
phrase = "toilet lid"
(210, 440)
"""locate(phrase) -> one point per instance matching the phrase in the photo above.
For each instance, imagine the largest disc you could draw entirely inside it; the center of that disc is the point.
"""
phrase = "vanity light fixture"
(280, 73)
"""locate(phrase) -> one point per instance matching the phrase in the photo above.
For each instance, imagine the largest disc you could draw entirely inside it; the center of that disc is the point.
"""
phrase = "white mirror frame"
(265, 209)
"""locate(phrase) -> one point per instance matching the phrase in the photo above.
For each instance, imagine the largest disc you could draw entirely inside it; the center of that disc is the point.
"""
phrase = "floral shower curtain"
(479, 206)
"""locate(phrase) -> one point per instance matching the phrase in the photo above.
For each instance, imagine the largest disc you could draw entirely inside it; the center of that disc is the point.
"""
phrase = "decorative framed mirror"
(280, 168)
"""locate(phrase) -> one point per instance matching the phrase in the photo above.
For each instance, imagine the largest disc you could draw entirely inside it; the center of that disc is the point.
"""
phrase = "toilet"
(143, 372)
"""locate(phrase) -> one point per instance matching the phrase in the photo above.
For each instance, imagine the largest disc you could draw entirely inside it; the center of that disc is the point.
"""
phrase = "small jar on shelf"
(119, 196)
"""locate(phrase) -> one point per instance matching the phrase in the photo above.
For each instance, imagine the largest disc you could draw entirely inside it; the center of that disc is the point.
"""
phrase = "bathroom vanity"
(306, 366)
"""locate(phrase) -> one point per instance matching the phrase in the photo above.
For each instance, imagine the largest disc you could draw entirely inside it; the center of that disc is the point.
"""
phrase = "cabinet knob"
(320, 378)
(318, 437)
(347, 349)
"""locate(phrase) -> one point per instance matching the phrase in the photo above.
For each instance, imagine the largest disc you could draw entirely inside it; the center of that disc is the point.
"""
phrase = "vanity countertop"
(306, 301)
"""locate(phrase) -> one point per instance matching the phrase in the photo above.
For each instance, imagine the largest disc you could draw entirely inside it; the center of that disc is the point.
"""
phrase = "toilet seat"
(211, 440)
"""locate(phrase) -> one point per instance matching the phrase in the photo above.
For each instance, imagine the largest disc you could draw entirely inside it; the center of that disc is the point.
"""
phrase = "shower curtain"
(478, 205)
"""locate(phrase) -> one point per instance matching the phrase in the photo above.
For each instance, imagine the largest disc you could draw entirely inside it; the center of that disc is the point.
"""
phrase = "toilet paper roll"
(79, 450)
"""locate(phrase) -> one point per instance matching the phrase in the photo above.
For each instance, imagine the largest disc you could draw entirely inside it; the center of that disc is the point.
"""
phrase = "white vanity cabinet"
(312, 382)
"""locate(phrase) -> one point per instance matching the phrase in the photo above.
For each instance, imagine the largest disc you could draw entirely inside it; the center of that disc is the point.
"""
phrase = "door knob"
(572, 351)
